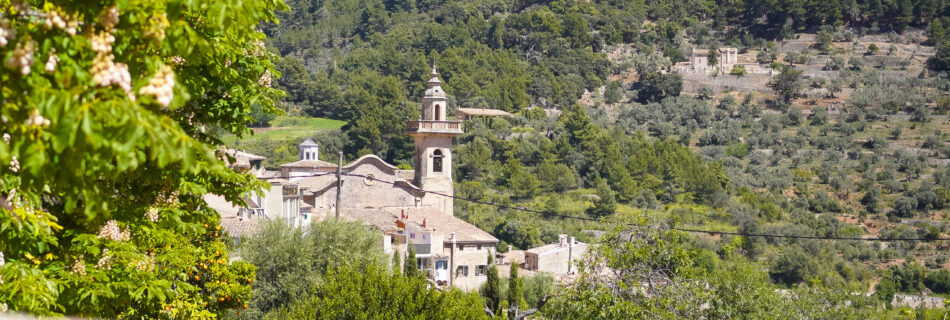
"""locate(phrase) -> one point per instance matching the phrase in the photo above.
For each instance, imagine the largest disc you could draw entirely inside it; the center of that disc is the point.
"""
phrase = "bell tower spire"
(433, 135)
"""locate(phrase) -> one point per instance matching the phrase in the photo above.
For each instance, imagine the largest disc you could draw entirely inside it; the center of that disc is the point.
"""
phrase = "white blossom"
(6, 137)
(111, 231)
(102, 42)
(71, 27)
(37, 120)
(105, 72)
(51, 63)
(79, 267)
(178, 60)
(6, 33)
(161, 86)
(53, 19)
(15, 165)
(152, 214)
(265, 80)
(106, 261)
(21, 58)
(108, 18)
(3, 261)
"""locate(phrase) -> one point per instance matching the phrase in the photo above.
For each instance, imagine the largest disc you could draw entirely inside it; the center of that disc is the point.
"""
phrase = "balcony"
(434, 126)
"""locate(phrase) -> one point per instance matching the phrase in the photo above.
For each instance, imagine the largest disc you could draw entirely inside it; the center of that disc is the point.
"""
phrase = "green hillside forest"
(808, 180)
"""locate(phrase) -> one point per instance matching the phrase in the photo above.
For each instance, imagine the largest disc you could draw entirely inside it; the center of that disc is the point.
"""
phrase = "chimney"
(423, 223)
(562, 240)
(452, 237)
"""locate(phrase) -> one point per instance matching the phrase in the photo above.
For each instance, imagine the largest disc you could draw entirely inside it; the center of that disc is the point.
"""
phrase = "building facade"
(409, 207)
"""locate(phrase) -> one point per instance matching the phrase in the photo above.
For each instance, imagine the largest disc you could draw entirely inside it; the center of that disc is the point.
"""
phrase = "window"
(437, 160)
(461, 247)
(480, 270)
(479, 247)
(438, 112)
(461, 271)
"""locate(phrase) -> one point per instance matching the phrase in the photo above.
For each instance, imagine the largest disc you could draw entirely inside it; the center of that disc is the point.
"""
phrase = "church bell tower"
(433, 135)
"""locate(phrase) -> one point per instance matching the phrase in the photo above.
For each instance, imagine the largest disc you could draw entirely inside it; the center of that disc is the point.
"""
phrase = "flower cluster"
(14, 165)
(111, 231)
(108, 18)
(106, 261)
(21, 58)
(152, 214)
(79, 267)
(6, 137)
(265, 80)
(51, 63)
(102, 42)
(177, 60)
(156, 29)
(53, 19)
(6, 33)
(105, 72)
(161, 86)
(37, 120)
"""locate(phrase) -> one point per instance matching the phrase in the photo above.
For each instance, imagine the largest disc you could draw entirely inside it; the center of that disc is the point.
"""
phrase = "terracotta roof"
(375, 217)
(308, 164)
(232, 224)
(434, 218)
(483, 112)
(239, 227)
(700, 52)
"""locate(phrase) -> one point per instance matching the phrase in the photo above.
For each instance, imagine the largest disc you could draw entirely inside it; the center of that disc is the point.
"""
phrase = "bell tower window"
(438, 113)
(437, 161)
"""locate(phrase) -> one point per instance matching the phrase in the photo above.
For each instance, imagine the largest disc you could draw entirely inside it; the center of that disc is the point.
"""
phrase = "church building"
(407, 206)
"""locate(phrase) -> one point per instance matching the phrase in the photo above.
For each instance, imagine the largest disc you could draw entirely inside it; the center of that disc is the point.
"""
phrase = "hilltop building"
(727, 59)
(407, 206)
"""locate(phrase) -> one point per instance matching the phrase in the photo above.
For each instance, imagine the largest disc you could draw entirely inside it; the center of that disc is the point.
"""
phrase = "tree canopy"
(109, 111)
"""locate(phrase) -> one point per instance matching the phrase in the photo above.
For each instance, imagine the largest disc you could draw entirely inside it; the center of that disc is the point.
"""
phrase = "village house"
(408, 206)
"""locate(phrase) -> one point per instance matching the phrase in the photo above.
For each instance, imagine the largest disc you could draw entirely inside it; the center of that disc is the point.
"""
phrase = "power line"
(804, 237)
(711, 232)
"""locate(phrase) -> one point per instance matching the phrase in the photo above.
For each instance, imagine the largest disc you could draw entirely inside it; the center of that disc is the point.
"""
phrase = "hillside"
(835, 126)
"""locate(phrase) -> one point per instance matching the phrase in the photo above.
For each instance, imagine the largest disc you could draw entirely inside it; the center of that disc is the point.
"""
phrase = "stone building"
(556, 258)
(727, 58)
(407, 206)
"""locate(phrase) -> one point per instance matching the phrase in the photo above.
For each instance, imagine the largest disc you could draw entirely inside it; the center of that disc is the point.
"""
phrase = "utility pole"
(339, 183)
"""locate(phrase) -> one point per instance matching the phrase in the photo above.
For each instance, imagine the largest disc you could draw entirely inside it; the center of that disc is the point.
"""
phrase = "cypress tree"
(410, 269)
(492, 289)
(515, 289)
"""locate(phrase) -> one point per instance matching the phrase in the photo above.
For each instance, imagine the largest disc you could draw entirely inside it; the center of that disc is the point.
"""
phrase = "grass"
(288, 128)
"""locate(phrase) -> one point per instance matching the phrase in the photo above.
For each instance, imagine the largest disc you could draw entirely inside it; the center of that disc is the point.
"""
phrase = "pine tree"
(607, 203)
(410, 267)
(937, 33)
(515, 289)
